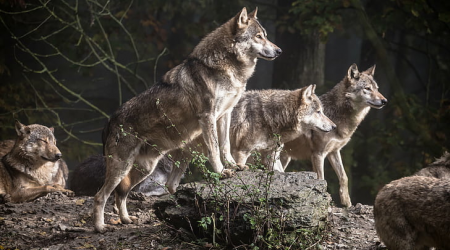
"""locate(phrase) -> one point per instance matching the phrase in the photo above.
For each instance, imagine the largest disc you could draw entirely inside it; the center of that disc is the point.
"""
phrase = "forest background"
(70, 64)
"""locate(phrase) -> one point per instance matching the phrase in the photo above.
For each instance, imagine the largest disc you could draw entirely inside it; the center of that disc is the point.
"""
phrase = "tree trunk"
(302, 63)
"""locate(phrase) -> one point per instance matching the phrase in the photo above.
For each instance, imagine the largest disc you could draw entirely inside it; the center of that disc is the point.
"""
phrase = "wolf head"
(362, 89)
(311, 114)
(36, 143)
(250, 40)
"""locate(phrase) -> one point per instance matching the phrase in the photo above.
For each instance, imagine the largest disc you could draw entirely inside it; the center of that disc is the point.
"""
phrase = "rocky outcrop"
(239, 206)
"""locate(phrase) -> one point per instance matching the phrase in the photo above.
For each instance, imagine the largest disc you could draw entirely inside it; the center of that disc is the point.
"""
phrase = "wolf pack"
(203, 103)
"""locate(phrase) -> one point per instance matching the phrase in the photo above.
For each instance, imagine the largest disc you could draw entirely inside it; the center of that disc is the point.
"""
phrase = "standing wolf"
(33, 166)
(194, 98)
(263, 120)
(346, 105)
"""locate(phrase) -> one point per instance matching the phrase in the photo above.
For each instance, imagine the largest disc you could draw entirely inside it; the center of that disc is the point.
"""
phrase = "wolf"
(263, 120)
(438, 169)
(192, 99)
(346, 104)
(413, 213)
(89, 176)
(33, 166)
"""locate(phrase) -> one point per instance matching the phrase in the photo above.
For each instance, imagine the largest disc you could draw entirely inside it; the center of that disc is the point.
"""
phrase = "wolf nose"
(278, 51)
(384, 101)
(58, 156)
(333, 127)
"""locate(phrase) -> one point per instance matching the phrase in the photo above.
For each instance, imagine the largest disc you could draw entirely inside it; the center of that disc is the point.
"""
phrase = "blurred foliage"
(308, 16)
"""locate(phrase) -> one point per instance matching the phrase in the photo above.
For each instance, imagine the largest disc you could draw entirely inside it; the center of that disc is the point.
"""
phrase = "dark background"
(70, 64)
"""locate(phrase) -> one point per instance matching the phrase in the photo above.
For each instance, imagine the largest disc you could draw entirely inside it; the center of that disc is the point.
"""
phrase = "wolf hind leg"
(336, 162)
(116, 170)
(143, 166)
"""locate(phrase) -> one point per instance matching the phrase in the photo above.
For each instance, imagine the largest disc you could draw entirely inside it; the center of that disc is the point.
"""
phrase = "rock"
(237, 206)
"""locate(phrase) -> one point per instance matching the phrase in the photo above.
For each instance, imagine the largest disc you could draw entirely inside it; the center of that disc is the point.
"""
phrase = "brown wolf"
(413, 213)
(438, 169)
(194, 98)
(263, 120)
(33, 166)
(346, 105)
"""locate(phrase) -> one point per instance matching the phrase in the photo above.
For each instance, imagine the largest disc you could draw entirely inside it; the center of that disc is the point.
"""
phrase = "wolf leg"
(175, 177)
(336, 162)
(317, 163)
(116, 170)
(284, 159)
(29, 194)
(241, 158)
(143, 166)
(209, 132)
(223, 125)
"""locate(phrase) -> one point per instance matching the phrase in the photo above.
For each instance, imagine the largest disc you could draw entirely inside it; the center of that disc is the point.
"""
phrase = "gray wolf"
(263, 120)
(32, 167)
(346, 105)
(192, 99)
(413, 213)
(438, 169)
(89, 176)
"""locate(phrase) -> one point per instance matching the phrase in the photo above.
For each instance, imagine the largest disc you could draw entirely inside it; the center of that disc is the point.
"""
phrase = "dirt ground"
(57, 222)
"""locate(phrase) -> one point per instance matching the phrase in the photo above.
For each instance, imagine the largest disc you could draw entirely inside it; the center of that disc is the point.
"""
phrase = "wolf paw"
(129, 220)
(68, 193)
(228, 173)
(104, 228)
(242, 167)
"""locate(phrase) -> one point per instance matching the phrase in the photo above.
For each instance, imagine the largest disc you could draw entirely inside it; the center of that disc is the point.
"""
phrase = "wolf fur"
(31, 166)
(263, 120)
(346, 105)
(413, 213)
(194, 98)
(89, 176)
(438, 169)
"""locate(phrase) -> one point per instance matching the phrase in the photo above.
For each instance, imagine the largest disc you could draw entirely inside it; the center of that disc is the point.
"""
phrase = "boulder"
(244, 206)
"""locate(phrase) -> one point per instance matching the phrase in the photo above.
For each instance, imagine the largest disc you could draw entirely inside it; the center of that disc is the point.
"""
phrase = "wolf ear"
(21, 129)
(353, 72)
(52, 129)
(253, 13)
(307, 92)
(242, 20)
(371, 70)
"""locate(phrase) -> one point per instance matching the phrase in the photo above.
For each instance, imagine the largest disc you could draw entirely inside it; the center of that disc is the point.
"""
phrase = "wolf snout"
(278, 52)
(384, 101)
(58, 156)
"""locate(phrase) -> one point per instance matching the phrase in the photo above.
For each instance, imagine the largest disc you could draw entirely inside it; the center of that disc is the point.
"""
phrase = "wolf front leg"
(32, 193)
(336, 162)
(209, 132)
(223, 125)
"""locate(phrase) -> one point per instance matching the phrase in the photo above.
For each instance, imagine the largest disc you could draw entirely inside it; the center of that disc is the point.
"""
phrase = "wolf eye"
(258, 36)
(368, 88)
(319, 112)
(43, 140)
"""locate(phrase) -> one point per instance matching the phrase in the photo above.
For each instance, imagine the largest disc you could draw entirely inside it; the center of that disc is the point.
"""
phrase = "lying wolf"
(193, 99)
(413, 212)
(346, 105)
(438, 169)
(263, 120)
(88, 177)
(32, 167)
